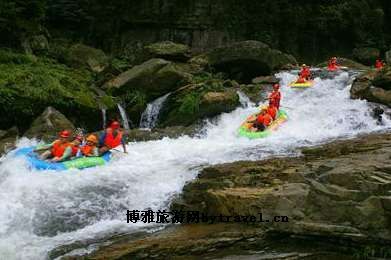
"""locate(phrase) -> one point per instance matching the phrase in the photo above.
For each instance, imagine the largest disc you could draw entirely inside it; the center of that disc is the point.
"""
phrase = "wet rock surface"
(8, 139)
(243, 61)
(48, 125)
(374, 86)
(339, 190)
(336, 197)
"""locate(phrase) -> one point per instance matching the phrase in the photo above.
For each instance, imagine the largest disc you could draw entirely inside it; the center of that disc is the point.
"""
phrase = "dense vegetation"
(311, 29)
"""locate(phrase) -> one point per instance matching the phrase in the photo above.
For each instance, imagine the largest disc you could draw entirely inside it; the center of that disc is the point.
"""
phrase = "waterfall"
(124, 117)
(151, 114)
(244, 100)
(104, 117)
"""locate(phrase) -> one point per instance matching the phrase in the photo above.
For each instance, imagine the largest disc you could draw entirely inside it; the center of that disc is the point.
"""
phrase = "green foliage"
(120, 64)
(7, 56)
(372, 252)
(190, 104)
(29, 84)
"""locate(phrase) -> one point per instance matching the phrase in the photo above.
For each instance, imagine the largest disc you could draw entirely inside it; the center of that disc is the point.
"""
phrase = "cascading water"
(42, 210)
(104, 118)
(244, 100)
(151, 114)
(124, 117)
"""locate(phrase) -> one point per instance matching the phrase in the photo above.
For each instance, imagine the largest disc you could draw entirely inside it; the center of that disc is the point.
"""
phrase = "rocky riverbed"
(337, 198)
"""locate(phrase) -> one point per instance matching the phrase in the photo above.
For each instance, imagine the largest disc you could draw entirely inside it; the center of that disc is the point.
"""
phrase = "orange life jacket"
(110, 140)
(59, 148)
(87, 149)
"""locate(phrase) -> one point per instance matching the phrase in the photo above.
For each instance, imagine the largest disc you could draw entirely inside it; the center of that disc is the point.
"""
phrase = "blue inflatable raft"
(78, 163)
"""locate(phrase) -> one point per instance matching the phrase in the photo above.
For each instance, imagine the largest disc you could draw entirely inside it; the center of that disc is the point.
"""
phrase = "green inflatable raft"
(244, 129)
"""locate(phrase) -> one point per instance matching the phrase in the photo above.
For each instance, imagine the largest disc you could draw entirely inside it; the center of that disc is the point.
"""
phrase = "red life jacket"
(379, 64)
(305, 73)
(75, 149)
(272, 111)
(110, 140)
(58, 149)
(274, 99)
(87, 150)
(301, 79)
(264, 119)
(332, 66)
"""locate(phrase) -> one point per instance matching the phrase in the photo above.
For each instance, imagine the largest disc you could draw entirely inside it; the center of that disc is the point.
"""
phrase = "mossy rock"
(198, 101)
(366, 55)
(167, 50)
(155, 77)
(48, 125)
(83, 56)
(383, 78)
(29, 84)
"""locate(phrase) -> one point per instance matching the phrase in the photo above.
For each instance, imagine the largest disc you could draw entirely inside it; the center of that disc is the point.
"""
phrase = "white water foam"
(42, 210)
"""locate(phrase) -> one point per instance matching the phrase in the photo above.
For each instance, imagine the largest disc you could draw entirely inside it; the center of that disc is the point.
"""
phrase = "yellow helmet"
(92, 138)
(304, 65)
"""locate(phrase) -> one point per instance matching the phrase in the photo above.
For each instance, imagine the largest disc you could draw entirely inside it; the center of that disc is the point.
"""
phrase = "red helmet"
(115, 125)
(65, 134)
(276, 86)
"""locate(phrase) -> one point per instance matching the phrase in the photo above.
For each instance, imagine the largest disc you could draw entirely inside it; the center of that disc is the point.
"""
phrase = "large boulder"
(388, 57)
(36, 44)
(383, 78)
(8, 139)
(245, 60)
(366, 55)
(167, 50)
(154, 77)
(83, 56)
(339, 192)
(374, 86)
(48, 125)
(198, 101)
(29, 84)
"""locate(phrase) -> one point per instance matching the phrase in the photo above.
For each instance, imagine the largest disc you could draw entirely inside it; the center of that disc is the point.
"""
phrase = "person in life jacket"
(305, 73)
(75, 145)
(111, 138)
(275, 96)
(379, 64)
(59, 150)
(332, 65)
(272, 111)
(90, 149)
(263, 121)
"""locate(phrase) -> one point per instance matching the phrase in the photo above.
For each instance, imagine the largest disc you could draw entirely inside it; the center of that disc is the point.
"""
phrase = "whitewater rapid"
(40, 211)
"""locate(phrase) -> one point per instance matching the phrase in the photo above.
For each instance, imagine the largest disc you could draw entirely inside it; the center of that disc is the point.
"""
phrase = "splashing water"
(124, 117)
(42, 210)
(244, 100)
(151, 114)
